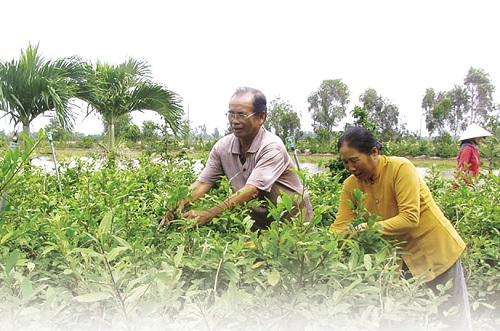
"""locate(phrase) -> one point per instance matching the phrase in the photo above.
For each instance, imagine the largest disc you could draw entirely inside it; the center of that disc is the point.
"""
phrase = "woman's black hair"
(468, 141)
(360, 138)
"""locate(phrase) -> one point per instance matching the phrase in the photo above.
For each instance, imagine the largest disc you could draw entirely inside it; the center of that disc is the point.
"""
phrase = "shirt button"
(244, 169)
(376, 201)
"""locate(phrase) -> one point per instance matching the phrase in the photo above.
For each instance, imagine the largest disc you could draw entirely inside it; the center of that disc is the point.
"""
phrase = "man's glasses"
(237, 115)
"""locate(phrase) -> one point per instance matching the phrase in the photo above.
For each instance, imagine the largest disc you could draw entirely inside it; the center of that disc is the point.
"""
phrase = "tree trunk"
(111, 133)
(26, 129)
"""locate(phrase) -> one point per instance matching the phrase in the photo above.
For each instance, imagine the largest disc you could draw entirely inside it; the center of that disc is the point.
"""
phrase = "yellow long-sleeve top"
(409, 214)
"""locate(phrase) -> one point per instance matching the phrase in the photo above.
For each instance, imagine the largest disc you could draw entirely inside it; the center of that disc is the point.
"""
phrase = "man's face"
(243, 121)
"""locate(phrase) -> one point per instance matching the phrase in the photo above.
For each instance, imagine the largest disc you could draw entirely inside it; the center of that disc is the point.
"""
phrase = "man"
(255, 161)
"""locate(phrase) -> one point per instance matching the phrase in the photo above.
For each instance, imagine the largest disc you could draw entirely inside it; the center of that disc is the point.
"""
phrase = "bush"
(94, 251)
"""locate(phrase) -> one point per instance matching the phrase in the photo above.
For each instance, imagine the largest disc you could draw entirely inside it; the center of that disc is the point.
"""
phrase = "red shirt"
(468, 158)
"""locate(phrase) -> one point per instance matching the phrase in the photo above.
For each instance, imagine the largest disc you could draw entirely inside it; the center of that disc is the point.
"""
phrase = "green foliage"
(370, 236)
(323, 142)
(150, 130)
(475, 212)
(451, 111)
(361, 118)
(490, 150)
(440, 113)
(88, 142)
(336, 166)
(32, 86)
(93, 250)
(283, 119)
(480, 88)
(382, 114)
(327, 106)
(14, 159)
(459, 99)
(115, 91)
(58, 132)
(442, 146)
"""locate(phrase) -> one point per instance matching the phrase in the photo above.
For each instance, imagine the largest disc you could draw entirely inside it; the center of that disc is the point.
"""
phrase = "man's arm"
(198, 189)
(246, 193)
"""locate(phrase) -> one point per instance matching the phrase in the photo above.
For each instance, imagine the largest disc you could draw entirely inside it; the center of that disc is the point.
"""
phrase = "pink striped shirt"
(268, 167)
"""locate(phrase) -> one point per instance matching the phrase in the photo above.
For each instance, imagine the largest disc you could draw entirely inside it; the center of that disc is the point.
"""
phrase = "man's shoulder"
(270, 138)
(227, 140)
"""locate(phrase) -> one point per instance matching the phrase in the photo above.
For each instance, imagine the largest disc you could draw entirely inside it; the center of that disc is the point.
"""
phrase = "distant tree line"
(445, 112)
(32, 86)
(451, 111)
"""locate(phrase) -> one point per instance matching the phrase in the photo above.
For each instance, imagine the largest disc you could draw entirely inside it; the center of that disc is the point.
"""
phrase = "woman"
(468, 160)
(395, 191)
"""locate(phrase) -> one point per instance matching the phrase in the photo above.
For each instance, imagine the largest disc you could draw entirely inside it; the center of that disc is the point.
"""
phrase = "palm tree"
(116, 90)
(32, 86)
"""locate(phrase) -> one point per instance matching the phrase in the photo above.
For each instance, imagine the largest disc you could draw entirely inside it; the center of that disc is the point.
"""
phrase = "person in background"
(468, 160)
(431, 247)
(14, 140)
(254, 160)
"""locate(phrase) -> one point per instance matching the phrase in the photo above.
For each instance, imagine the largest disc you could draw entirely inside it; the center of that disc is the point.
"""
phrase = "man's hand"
(202, 217)
(170, 215)
(167, 219)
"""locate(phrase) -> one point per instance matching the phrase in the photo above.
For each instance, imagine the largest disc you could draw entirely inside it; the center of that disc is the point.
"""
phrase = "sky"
(204, 50)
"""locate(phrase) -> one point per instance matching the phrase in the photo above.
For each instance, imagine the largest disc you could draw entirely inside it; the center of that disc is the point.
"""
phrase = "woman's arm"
(407, 194)
(345, 213)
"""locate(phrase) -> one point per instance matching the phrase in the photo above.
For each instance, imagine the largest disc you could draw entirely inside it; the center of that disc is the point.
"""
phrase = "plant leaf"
(105, 225)
(11, 261)
(178, 256)
(273, 277)
(113, 254)
(367, 261)
(93, 297)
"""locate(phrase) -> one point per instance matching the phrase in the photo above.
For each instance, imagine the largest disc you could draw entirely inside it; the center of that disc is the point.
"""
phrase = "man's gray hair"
(259, 99)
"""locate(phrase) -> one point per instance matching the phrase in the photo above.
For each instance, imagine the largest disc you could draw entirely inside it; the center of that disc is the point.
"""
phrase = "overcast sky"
(203, 50)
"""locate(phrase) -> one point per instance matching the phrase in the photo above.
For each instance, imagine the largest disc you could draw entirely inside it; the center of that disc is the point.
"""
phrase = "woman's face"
(359, 164)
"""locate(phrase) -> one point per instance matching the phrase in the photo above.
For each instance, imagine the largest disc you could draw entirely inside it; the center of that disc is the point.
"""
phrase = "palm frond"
(32, 86)
(117, 90)
(159, 99)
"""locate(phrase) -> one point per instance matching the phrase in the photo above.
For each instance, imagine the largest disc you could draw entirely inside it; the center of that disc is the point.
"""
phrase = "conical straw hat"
(474, 131)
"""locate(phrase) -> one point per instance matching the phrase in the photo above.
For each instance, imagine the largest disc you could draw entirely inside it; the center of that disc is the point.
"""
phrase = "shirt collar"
(254, 147)
(382, 161)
